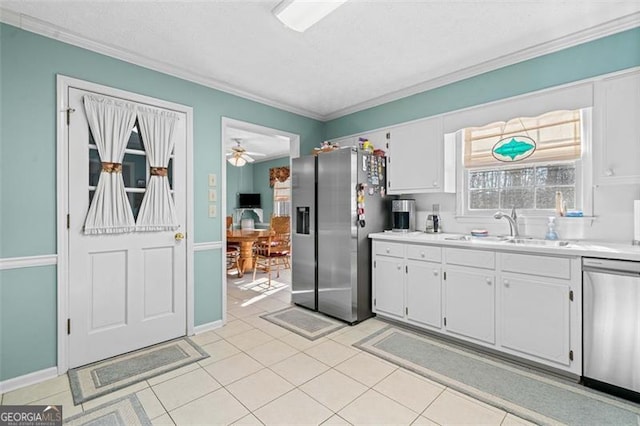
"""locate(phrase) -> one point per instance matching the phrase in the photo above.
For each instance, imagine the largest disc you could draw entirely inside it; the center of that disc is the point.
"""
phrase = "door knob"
(179, 236)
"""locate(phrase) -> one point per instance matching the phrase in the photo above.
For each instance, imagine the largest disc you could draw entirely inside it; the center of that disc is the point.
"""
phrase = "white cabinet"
(470, 303)
(388, 279)
(535, 315)
(407, 283)
(616, 130)
(416, 160)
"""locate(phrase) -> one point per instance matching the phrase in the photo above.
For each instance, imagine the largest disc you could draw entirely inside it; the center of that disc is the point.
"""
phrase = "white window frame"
(583, 184)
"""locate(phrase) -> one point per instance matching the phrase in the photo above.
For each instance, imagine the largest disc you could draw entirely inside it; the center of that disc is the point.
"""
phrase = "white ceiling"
(364, 53)
(271, 147)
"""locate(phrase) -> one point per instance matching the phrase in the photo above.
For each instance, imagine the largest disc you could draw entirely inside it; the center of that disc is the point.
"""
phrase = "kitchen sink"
(537, 242)
(526, 241)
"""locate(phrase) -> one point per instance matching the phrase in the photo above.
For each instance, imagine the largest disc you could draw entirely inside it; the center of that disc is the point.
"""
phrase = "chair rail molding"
(28, 261)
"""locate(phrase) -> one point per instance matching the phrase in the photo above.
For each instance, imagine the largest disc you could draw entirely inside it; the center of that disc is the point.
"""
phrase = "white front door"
(126, 291)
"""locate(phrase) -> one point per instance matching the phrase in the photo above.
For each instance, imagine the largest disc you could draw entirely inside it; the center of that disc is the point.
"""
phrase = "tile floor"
(259, 373)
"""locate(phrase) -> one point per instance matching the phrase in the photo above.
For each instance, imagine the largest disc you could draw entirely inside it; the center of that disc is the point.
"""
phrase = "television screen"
(249, 201)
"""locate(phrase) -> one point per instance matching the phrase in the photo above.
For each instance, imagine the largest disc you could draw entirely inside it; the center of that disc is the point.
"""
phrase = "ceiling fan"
(239, 156)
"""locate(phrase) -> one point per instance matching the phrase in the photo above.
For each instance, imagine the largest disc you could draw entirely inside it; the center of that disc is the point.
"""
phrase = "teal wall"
(28, 67)
(27, 320)
(261, 183)
(602, 56)
(239, 179)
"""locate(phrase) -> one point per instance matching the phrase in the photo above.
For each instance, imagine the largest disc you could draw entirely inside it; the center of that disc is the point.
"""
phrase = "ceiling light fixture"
(237, 161)
(300, 15)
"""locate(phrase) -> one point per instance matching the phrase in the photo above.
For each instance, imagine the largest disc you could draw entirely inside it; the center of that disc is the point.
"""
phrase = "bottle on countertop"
(551, 229)
(433, 220)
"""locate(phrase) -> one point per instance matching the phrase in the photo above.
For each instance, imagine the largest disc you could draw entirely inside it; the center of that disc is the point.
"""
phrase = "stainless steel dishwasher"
(611, 325)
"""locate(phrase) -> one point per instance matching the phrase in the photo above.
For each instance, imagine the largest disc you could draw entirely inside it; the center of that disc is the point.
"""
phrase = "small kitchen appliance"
(403, 214)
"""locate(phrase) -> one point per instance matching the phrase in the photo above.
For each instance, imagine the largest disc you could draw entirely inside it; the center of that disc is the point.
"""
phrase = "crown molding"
(608, 28)
(47, 29)
(52, 31)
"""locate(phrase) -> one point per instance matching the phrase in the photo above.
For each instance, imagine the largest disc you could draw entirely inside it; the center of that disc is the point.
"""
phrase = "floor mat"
(93, 380)
(124, 411)
(524, 392)
(304, 322)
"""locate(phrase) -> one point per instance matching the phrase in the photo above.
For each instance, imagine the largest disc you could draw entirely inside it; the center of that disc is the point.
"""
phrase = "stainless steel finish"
(611, 322)
(303, 245)
(344, 250)
(513, 221)
(403, 214)
(536, 242)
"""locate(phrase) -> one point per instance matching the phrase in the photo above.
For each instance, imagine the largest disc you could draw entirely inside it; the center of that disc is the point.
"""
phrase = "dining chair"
(233, 250)
(276, 249)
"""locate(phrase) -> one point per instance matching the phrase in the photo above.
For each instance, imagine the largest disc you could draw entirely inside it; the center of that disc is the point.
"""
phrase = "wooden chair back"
(281, 224)
(229, 223)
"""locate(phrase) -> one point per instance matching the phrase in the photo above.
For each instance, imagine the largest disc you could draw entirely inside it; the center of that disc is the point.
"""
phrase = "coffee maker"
(403, 214)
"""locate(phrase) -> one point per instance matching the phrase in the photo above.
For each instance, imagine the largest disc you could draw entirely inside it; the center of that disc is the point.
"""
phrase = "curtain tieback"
(158, 171)
(112, 167)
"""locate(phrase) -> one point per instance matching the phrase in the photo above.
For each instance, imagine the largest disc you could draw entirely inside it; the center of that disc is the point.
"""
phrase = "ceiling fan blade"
(249, 159)
(255, 154)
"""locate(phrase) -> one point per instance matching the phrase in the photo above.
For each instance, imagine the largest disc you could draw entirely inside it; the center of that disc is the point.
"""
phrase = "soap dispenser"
(551, 229)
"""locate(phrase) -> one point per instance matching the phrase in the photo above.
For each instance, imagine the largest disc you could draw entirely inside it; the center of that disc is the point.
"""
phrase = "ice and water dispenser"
(302, 220)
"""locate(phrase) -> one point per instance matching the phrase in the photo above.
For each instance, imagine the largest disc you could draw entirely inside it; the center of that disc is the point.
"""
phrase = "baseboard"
(207, 327)
(28, 379)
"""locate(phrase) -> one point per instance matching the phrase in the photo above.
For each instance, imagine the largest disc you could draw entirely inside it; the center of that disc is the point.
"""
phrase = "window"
(524, 162)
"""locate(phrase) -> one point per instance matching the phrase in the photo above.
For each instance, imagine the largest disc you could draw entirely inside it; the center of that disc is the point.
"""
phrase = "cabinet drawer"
(420, 252)
(475, 258)
(545, 266)
(385, 248)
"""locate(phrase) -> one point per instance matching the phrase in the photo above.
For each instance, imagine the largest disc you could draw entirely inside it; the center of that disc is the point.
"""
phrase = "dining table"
(247, 238)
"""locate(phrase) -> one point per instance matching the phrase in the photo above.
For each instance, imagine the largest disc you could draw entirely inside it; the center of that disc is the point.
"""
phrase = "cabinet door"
(470, 303)
(388, 286)
(424, 290)
(415, 157)
(535, 317)
(617, 129)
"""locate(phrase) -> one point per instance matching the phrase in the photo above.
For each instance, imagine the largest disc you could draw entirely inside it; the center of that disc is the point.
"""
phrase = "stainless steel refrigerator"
(338, 199)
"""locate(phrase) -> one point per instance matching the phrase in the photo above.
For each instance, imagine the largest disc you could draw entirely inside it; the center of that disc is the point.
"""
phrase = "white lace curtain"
(157, 212)
(110, 121)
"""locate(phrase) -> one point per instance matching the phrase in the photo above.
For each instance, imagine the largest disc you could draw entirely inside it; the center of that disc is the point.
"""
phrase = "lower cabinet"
(536, 317)
(524, 305)
(424, 293)
(470, 303)
(388, 290)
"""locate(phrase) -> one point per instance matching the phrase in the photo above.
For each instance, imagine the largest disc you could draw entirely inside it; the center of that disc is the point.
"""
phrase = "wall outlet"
(213, 196)
(213, 211)
(212, 179)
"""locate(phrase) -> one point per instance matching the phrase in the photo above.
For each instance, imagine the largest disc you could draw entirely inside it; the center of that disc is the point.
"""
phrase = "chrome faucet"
(513, 221)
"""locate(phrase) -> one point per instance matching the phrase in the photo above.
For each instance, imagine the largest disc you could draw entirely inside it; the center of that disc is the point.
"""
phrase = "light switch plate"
(213, 212)
(212, 179)
(213, 196)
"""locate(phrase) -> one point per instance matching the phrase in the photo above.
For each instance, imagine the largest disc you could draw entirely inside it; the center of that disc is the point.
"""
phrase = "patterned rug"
(524, 392)
(304, 322)
(93, 380)
(124, 411)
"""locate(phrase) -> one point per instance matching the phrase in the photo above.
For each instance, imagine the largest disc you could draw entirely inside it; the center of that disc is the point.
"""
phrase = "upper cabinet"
(616, 125)
(417, 159)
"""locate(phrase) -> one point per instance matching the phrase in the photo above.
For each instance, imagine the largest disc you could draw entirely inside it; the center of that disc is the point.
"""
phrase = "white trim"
(212, 245)
(50, 30)
(47, 29)
(599, 31)
(28, 261)
(63, 83)
(294, 152)
(28, 379)
(207, 327)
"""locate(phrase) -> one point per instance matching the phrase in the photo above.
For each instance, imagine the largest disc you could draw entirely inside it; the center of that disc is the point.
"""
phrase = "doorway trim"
(294, 152)
(63, 83)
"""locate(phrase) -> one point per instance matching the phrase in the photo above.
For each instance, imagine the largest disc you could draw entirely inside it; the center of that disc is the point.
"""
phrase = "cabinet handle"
(421, 254)
(435, 183)
(435, 272)
(506, 283)
(399, 267)
(489, 281)
(388, 250)
(608, 172)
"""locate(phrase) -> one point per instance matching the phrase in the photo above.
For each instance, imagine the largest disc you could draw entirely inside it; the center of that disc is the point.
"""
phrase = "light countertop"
(574, 248)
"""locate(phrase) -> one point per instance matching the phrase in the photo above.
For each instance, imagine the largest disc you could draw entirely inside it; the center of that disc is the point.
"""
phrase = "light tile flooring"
(259, 373)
